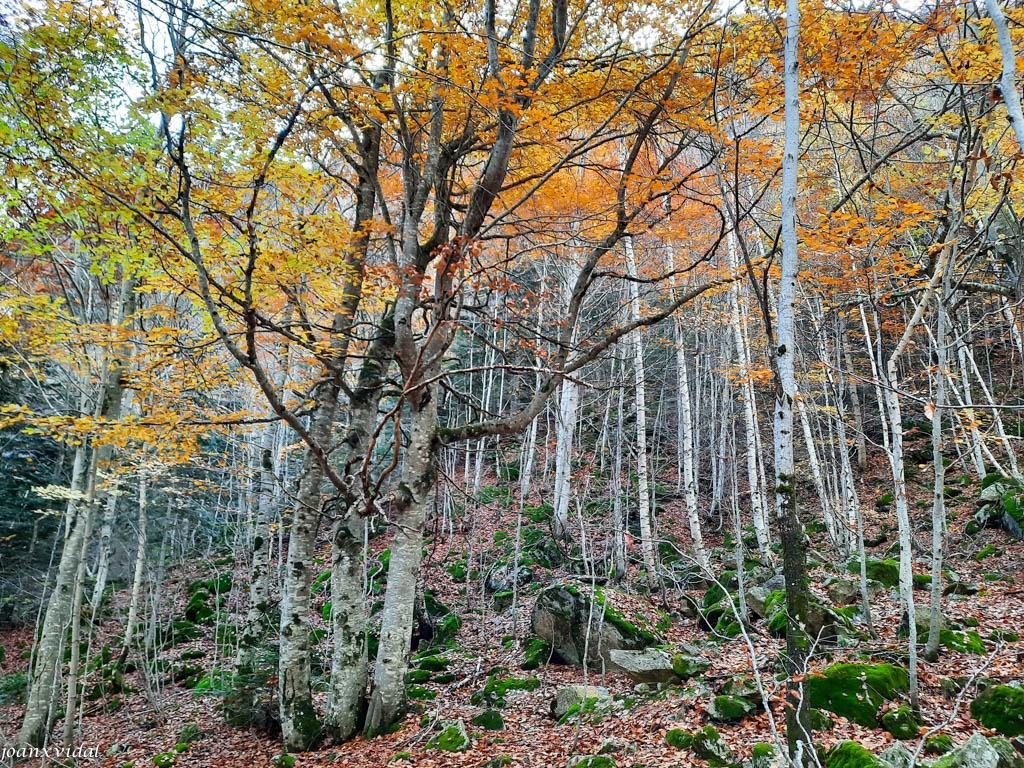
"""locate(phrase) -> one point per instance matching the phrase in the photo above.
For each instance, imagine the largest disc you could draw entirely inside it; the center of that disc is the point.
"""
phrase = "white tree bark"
(1008, 83)
(139, 574)
(647, 543)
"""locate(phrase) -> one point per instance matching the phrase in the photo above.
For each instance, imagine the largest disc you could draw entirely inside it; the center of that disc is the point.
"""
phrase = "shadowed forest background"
(533, 384)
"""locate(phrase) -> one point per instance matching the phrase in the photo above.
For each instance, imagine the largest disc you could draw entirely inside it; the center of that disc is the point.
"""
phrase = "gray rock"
(776, 582)
(708, 745)
(573, 694)
(563, 615)
(979, 752)
(650, 665)
(451, 738)
(728, 709)
(897, 756)
(501, 580)
(844, 592)
(756, 598)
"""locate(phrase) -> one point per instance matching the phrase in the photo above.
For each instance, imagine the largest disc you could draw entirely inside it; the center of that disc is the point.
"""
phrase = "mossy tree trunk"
(794, 555)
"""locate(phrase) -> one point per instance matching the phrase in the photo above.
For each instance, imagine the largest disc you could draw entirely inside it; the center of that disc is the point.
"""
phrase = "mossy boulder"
(963, 642)
(434, 664)
(451, 738)
(765, 755)
(591, 761)
(901, 723)
(678, 738)
(498, 687)
(856, 691)
(570, 695)
(728, 709)
(885, 572)
(1001, 708)
(650, 665)
(708, 745)
(979, 752)
(489, 720)
(576, 625)
(939, 744)
(686, 665)
(850, 754)
(535, 653)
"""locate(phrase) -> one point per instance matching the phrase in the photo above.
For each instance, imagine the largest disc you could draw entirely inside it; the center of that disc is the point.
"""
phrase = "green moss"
(418, 676)
(964, 642)
(713, 596)
(420, 693)
(886, 572)
(595, 761)
(620, 622)
(452, 738)
(938, 745)
(1004, 636)
(1000, 707)
(490, 720)
(434, 664)
(856, 691)
(762, 751)
(901, 723)
(446, 630)
(726, 709)
(820, 721)
(708, 745)
(678, 738)
(922, 580)
(588, 710)
(165, 759)
(494, 692)
(685, 666)
(537, 652)
(850, 754)
(458, 571)
(987, 551)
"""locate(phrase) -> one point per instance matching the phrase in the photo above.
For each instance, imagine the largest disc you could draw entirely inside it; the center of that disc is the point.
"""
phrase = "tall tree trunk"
(300, 726)
(931, 649)
(794, 555)
(242, 709)
(1008, 83)
(387, 700)
(647, 543)
(139, 575)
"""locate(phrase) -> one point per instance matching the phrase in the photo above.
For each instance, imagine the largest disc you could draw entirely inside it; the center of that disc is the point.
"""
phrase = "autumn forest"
(538, 383)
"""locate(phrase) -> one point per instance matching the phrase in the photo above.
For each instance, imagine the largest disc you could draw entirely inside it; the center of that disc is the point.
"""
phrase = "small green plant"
(13, 687)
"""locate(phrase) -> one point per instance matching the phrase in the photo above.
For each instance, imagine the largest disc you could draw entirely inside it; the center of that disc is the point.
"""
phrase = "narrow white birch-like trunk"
(689, 475)
(1008, 82)
(139, 574)
(565, 431)
(798, 731)
(997, 420)
(640, 395)
(106, 534)
(931, 649)
(686, 433)
(619, 563)
(758, 504)
(967, 398)
(824, 496)
(895, 415)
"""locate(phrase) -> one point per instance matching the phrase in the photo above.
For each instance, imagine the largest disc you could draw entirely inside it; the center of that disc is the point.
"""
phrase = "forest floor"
(150, 720)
